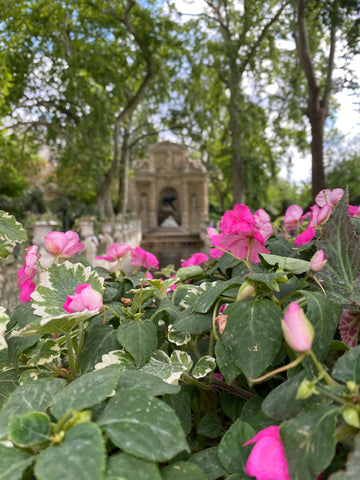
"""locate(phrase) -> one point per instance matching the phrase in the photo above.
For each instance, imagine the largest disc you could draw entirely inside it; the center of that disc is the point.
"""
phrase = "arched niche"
(169, 207)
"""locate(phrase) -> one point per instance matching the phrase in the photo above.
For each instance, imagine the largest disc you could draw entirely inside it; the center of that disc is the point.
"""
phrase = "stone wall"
(121, 232)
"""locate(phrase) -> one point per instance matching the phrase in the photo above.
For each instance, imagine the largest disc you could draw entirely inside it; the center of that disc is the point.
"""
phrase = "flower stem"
(71, 355)
(321, 369)
(293, 364)
(141, 289)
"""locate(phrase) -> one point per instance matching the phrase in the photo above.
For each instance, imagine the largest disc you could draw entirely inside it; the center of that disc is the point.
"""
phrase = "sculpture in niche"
(168, 184)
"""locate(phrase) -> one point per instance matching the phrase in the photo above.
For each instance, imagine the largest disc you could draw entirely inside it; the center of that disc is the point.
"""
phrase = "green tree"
(94, 63)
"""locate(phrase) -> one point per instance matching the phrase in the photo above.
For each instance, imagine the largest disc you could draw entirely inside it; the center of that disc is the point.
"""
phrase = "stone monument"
(169, 189)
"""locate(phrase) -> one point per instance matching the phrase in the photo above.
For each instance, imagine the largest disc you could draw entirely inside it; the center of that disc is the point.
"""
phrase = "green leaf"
(81, 455)
(8, 382)
(187, 273)
(11, 233)
(32, 396)
(182, 471)
(281, 402)
(45, 351)
(347, 367)
(13, 463)
(309, 441)
(324, 314)
(151, 384)
(225, 362)
(341, 274)
(168, 368)
(48, 299)
(179, 338)
(209, 297)
(205, 365)
(292, 265)
(143, 426)
(253, 334)
(99, 340)
(4, 320)
(193, 323)
(209, 463)
(210, 426)
(117, 357)
(126, 467)
(86, 391)
(232, 454)
(139, 338)
(181, 403)
(352, 471)
(29, 430)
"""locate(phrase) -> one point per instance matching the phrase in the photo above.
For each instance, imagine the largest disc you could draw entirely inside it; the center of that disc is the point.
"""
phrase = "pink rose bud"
(85, 298)
(267, 459)
(318, 261)
(297, 329)
(63, 245)
(115, 251)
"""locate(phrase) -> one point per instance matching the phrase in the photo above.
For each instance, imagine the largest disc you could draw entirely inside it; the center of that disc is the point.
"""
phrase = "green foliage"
(160, 390)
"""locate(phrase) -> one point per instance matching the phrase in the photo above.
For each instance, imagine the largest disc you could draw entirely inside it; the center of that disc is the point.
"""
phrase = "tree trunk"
(317, 122)
(318, 106)
(103, 201)
(122, 202)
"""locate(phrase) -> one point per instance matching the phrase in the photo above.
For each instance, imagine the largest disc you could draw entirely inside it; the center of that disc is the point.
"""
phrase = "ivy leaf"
(253, 334)
(309, 441)
(143, 426)
(11, 233)
(341, 245)
(84, 453)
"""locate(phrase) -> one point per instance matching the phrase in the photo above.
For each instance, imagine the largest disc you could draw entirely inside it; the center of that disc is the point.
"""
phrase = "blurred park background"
(251, 88)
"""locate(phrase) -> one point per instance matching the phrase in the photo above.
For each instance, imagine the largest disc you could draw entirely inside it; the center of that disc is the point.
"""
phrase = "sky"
(347, 116)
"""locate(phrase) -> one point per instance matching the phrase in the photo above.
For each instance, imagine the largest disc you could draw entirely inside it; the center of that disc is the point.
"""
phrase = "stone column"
(40, 230)
(185, 206)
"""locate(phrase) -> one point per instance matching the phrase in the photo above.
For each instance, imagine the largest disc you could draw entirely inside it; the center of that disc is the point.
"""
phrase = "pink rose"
(297, 329)
(293, 217)
(115, 251)
(63, 245)
(267, 459)
(196, 259)
(329, 197)
(354, 211)
(141, 258)
(85, 298)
